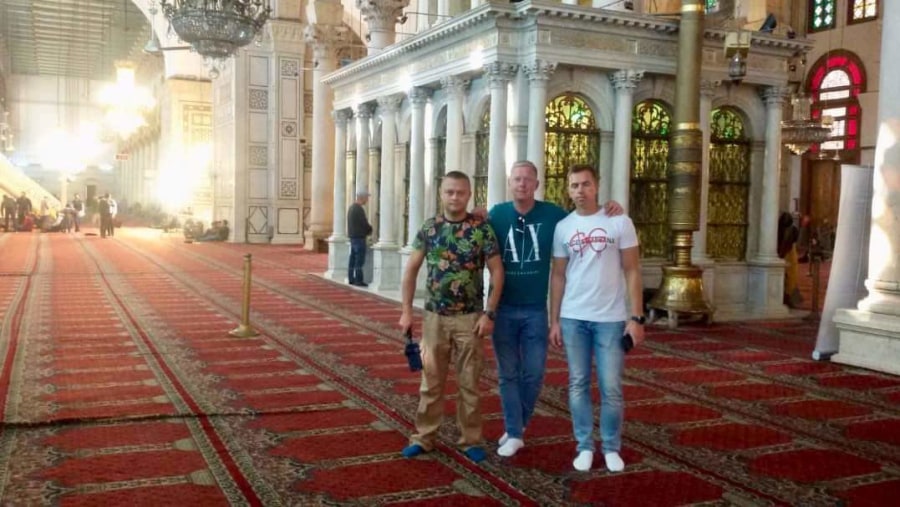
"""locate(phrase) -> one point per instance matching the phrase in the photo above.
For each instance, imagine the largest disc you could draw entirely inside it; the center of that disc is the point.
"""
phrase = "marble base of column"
(765, 289)
(316, 240)
(868, 340)
(386, 268)
(405, 252)
(338, 259)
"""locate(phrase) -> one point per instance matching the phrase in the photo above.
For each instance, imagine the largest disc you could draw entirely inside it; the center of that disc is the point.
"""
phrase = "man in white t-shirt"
(588, 312)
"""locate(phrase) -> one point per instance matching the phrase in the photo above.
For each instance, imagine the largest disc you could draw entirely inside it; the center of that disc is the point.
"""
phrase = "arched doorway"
(571, 138)
(648, 201)
(729, 186)
(835, 82)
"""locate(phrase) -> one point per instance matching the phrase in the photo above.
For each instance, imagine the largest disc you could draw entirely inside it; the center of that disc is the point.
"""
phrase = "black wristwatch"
(640, 319)
(490, 314)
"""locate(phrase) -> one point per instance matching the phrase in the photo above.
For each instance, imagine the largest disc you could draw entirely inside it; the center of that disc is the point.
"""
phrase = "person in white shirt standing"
(589, 315)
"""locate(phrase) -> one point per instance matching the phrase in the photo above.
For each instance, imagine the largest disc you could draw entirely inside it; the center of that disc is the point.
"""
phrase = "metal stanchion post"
(244, 330)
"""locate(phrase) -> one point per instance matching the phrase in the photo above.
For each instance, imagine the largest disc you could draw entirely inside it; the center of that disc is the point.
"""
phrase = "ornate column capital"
(708, 87)
(389, 104)
(381, 13)
(363, 111)
(341, 116)
(626, 79)
(540, 70)
(500, 73)
(419, 95)
(325, 39)
(454, 85)
(775, 95)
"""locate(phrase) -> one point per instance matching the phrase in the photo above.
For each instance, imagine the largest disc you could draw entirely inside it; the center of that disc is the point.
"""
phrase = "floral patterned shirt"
(455, 256)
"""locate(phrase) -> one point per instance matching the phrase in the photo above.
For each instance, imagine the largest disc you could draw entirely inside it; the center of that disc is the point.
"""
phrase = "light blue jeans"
(585, 340)
(520, 344)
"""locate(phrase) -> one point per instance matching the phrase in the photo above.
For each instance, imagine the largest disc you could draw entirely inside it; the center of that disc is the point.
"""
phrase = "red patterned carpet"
(120, 386)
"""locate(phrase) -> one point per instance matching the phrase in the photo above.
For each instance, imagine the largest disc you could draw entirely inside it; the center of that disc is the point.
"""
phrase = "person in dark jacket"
(358, 228)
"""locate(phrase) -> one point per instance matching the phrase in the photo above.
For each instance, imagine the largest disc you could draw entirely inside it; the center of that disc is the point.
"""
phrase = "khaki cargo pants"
(442, 335)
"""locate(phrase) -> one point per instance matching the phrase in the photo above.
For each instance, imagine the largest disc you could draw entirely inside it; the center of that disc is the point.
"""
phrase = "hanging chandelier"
(216, 28)
(801, 132)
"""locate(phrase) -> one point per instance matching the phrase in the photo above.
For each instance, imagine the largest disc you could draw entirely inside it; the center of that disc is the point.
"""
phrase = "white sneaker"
(503, 439)
(511, 447)
(614, 462)
(584, 461)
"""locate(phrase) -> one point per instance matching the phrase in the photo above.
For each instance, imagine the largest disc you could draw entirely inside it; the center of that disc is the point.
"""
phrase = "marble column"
(325, 40)
(338, 243)
(698, 252)
(607, 138)
(498, 75)
(539, 74)
(418, 97)
(774, 98)
(386, 258)
(624, 82)
(766, 269)
(381, 19)
(517, 113)
(870, 335)
(362, 113)
(455, 88)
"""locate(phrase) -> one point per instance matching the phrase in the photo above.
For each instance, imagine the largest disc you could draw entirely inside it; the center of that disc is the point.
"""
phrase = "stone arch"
(661, 88)
(593, 87)
(749, 104)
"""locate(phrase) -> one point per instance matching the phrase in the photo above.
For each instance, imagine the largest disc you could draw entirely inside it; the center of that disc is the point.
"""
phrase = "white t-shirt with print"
(595, 281)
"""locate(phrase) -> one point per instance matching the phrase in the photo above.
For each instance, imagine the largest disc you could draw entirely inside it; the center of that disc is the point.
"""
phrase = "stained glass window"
(482, 157)
(571, 138)
(836, 80)
(404, 226)
(648, 202)
(862, 10)
(821, 15)
(729, 186)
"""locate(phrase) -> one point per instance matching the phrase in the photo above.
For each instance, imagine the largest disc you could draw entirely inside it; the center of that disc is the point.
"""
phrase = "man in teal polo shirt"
(524, 228)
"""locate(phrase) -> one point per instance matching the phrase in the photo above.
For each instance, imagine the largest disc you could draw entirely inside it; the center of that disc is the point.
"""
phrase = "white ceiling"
(76, 38)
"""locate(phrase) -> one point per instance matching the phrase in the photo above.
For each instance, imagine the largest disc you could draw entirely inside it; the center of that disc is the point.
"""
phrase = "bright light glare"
(71, 153)
(125, 102)
(181, 176)
(476, 59)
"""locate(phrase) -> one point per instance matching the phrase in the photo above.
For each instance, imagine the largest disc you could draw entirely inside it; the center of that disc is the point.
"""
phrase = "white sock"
(511, 447)
(505, 437)
(614, 462)
(584, 461)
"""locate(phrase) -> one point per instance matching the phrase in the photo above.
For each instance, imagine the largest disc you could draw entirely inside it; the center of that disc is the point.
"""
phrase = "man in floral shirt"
(455, 246)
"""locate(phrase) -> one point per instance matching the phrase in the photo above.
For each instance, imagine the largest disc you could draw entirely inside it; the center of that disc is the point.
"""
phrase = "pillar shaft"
(323, 129)
(387, 110)
(418, 97)
(499, 75)
(456, 89)
(339, 209)
(774, 97)
(707, 91)
(624, 82)
(538, 74)
(362, 113)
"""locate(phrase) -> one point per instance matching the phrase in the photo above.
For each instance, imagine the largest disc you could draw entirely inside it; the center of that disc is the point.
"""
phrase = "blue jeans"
(583, 341)
(520, 345)
(357, 260)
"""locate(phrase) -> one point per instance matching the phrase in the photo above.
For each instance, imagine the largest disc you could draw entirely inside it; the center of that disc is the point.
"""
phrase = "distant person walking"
(358, 228)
